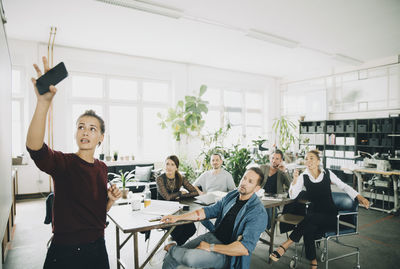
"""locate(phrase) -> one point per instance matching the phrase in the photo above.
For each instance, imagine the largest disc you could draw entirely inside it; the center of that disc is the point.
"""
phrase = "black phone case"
(52, 77)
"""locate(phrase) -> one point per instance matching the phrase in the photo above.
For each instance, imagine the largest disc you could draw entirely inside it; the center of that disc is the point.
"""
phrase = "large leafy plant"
(286, 131)
(236, 161)
(187, 116)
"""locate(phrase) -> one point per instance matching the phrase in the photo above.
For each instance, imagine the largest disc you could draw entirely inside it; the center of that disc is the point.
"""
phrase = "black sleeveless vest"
(320, 195)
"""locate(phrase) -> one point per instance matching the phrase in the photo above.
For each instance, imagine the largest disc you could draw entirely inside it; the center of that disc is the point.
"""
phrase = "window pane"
(253, 118)
(212, 121)
(253, 100)
(123, 130)
(234, 118)
(234, 136)
(253, 133)
(232, 99)
(84, 86)
(16, 129)
(212, 96)
(155, 92)
(123, 89)
(79, 109)
(16, 81)
(155, 140)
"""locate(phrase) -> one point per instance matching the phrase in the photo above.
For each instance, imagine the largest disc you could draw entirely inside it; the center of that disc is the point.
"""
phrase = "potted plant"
(123, 177)
(115, 155)
(236, 162)
(187, 117)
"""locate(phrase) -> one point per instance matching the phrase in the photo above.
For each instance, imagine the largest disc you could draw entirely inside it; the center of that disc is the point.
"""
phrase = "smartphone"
(52, 77)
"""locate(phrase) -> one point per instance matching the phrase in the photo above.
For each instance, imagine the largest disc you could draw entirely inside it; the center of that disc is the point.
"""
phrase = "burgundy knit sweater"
(80, 195)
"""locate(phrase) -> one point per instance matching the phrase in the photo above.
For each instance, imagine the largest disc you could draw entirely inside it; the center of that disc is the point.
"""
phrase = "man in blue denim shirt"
(241, 218)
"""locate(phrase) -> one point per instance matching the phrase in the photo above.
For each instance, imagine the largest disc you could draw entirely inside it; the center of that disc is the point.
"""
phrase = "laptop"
(209, 198)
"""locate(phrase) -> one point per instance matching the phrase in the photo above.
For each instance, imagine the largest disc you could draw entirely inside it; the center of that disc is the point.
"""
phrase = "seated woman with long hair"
(169, 188)
(317, 182)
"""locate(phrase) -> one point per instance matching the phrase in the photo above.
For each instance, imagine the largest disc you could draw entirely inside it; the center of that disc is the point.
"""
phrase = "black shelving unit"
(342, 139)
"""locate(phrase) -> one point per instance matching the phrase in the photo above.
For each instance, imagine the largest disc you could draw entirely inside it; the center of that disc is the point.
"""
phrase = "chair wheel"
(293, 263)
(323, 257)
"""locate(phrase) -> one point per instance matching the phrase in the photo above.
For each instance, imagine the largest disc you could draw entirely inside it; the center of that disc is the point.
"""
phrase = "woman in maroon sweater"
(81, 197)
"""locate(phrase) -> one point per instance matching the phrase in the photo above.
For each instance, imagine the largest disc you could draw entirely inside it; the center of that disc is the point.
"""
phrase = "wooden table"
(132, 222)
(393, 174)
(271, 233)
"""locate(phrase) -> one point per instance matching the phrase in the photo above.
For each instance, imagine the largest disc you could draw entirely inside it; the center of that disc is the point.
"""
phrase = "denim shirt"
(250, 222)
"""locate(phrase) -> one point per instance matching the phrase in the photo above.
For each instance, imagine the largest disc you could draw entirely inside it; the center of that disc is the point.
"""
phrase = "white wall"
(185, 78)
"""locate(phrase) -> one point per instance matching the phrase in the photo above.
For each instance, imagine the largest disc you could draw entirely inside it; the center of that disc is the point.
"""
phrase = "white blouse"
(294, 190)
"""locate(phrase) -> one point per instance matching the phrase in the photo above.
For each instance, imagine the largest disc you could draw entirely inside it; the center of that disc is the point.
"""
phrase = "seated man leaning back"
(241, 218)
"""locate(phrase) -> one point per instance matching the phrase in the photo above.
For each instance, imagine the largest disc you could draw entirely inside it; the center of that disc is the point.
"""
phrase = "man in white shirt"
(217, 179)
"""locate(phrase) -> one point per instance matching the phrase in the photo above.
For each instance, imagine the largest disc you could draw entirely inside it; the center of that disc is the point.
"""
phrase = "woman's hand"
(48, 96)
(114, 193)
(363, 201)
(296, 174)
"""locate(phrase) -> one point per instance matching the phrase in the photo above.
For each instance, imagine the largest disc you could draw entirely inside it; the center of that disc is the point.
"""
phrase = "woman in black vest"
(317, 182)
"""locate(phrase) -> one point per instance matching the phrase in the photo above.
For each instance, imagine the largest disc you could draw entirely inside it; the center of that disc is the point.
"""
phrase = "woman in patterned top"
(169, 186)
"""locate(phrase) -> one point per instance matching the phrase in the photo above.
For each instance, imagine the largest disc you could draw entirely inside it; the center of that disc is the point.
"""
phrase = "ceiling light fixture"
(274, 39)
(346, 59)
(147, 6)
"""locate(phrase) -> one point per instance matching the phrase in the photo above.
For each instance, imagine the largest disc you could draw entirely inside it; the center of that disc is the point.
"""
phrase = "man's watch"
(212, 247)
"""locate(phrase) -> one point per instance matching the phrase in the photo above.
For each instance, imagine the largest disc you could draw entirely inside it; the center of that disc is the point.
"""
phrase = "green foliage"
(286, 130)
(187, 116)
(236, 161)
(123, 177)
(189, 170)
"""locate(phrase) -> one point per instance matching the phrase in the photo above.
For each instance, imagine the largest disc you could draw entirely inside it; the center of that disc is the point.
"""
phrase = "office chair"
(347, 225)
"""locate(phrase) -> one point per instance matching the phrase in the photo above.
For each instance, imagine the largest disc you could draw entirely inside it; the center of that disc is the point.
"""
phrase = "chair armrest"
(347, 224)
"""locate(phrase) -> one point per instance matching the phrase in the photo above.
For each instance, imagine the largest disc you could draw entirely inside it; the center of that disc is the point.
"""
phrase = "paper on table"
(162, 208)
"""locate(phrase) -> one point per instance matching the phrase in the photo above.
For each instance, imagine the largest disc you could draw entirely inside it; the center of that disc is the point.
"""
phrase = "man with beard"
(241, 218)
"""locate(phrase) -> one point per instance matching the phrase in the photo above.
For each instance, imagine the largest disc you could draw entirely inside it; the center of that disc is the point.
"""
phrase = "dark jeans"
(83, 256)
(312, 227)
(182, 233)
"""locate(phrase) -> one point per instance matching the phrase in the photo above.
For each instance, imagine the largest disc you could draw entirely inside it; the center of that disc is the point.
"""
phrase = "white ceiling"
(363, 29)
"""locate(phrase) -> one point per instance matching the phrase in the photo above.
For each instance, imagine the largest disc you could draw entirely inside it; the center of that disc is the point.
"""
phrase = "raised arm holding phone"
(81, 197)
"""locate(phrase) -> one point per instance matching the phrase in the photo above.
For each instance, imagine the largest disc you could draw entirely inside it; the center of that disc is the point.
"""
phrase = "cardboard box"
(340, 128)
(362, 128)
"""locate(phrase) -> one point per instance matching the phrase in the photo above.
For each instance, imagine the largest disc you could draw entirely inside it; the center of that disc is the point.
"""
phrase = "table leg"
(395, 194)
(118, 248)
(272, 236)
(136, 250)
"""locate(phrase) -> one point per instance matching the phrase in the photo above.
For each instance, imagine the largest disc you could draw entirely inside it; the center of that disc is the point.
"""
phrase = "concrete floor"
(378, 240)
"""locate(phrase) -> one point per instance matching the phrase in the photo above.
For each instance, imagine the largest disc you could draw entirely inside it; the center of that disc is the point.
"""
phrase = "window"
(123, 89)
(304, 99)
(129, 107)
(85, 86)
(242, 109)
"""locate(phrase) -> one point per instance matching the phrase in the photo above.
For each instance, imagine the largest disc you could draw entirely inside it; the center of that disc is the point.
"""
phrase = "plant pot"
(108, 158)
(115, 157)
(101, 156)
(125, 193)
